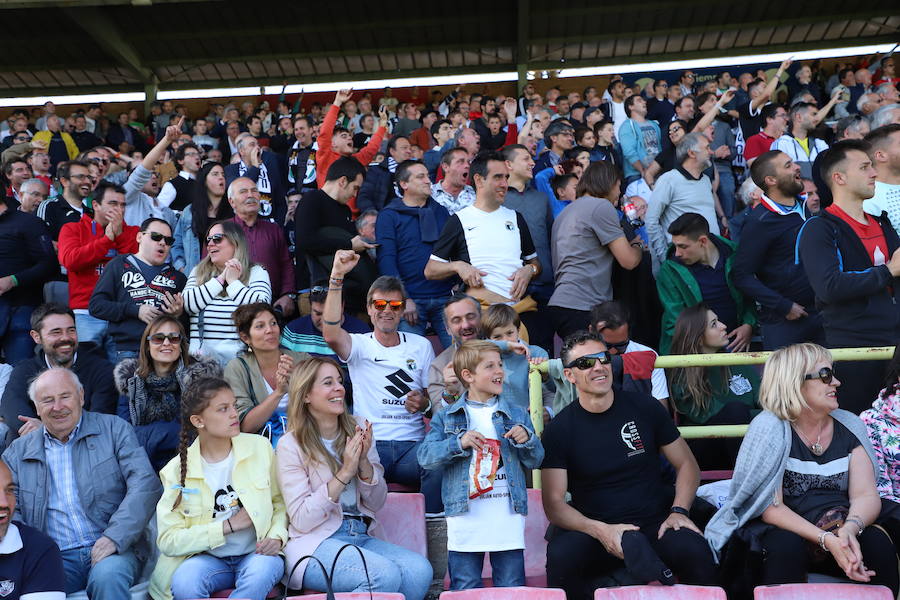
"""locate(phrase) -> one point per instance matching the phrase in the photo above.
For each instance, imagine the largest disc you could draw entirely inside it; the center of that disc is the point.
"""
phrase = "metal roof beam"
(105, 33)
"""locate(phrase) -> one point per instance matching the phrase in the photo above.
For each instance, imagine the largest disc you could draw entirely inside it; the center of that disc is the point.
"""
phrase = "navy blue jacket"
(858, 300)
(377, 189)
(26, 251)
(765, 266)
(403, 254)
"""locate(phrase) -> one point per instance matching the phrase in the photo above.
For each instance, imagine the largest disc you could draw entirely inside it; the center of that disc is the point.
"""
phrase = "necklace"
(815, 448)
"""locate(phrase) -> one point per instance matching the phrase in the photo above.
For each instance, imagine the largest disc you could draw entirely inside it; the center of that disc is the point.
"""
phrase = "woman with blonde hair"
(804, 482)
(222, 281)
(333, 484)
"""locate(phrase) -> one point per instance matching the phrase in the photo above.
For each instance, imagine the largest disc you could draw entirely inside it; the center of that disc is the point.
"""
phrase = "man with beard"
(53, 329)
(765, 268)
(462, 318)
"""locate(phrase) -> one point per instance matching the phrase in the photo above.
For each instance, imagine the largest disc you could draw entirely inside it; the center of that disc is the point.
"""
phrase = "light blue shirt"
(67, 523)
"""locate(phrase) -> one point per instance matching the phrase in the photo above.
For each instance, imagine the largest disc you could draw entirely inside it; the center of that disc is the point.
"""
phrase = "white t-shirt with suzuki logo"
(382, 377)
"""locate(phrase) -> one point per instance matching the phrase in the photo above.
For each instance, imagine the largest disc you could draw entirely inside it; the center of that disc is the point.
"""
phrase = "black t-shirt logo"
(632, 438)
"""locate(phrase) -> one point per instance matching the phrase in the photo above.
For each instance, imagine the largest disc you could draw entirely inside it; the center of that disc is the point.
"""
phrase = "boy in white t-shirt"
(483, 444)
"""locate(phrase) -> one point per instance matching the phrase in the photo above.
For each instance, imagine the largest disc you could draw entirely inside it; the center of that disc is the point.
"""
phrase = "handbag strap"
(361, 557)
(249, 380)
(329, 592)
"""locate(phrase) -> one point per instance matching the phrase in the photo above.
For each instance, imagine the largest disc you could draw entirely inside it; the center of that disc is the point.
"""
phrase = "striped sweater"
(210, 309)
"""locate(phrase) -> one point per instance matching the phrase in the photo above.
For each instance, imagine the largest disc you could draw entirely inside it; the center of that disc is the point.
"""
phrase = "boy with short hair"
(484, 486)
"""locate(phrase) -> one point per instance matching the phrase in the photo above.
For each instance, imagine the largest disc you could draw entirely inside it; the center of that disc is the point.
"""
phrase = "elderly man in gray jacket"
(83, 479)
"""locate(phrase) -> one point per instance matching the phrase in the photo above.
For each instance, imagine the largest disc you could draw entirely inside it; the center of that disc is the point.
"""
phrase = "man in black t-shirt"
(605, 450)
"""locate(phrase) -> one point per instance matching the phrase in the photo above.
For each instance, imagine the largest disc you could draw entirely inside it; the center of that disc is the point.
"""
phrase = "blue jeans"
(15, 325)
(508, 569)
(726, 191)
(431, 310)
(251, 575)
(391, 568)
(401, 466)
(96, 331)
(109, 579)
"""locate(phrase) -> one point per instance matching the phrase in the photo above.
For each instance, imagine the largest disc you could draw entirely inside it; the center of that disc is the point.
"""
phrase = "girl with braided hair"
(222, 520)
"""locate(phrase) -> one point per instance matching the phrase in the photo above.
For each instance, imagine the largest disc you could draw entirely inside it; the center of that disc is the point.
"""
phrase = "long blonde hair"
(206, 270)
(781, 389)
(303, 426)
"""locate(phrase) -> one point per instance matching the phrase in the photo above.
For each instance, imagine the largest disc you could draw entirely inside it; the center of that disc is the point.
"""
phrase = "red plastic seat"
(661, 592)
(535, 547)
(513, 593)
(351, 596)
(402, 519)
(822, 591)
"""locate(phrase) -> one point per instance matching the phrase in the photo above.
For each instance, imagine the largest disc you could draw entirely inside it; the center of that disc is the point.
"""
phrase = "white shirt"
(167, 194)
(886, 199)
(282, 402)
(226, 504)
(491, 524)
(658, 377)
(383, 376)
(618, 115)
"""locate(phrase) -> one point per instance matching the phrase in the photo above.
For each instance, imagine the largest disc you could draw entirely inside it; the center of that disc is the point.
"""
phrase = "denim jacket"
(441, 450)
(185, 253)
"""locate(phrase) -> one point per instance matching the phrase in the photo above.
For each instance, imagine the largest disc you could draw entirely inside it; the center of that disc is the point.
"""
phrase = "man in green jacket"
(698, 269)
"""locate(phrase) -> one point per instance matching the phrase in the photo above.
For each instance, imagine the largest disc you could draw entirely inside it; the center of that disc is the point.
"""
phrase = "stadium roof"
(97, 46)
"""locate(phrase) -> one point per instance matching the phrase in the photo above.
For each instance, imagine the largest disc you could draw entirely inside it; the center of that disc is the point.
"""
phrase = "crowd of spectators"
(224, 335)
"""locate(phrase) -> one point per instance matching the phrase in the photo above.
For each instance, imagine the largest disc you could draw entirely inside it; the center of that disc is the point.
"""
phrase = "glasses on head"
(215, 238)
(156, 237)
(583, 363)
(825, 375)
(158, 339)
(395, 305)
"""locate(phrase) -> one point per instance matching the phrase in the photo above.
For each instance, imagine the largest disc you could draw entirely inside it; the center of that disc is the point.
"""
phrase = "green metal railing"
(694, 360)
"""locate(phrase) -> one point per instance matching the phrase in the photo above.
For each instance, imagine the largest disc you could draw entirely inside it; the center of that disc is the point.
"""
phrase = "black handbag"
(329, 591)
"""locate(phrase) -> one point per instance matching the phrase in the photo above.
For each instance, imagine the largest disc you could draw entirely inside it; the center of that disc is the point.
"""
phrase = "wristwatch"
(680, 511)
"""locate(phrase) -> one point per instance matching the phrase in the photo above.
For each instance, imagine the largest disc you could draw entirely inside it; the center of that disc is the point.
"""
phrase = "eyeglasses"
(156, 237)
(583, 363)
(215, 238)
(618, 346)
(158, 339)
(675, 130)
(79, 176)
(395, 305)
(825, 374)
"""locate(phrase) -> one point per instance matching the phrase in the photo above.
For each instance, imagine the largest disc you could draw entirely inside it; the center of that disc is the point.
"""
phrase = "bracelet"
(339, 481)
(335, 289)
(679, 510)
(822, 539)
(336, 280)
(858, 522)
(327, 322)
(230, 528)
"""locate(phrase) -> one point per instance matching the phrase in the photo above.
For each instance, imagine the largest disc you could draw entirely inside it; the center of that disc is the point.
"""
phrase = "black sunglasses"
(158, 339)
(618, 346)
(215, 238)
(156, 237)
(825, 374)
(583, 363)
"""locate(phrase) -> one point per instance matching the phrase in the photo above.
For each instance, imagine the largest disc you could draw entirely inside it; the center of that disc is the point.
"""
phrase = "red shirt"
(757, 144)
(869, 234)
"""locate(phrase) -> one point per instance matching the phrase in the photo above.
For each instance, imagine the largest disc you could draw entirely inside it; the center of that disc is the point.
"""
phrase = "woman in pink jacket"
(333, 484)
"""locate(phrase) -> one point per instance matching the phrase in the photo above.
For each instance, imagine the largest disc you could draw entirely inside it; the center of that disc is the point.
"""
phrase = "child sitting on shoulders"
(483, 444)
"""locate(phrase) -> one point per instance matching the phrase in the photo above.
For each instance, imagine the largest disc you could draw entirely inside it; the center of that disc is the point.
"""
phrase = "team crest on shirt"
(411, 364)
(6, 588)
(509, 225)
(632, 438)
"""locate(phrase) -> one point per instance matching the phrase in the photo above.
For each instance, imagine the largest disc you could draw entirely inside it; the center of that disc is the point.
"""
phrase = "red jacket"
(84, 249)
(325, 156)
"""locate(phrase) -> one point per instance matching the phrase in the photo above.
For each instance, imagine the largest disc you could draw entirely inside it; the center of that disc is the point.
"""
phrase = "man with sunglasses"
(136, 288)
(389, 369)
(621, 506)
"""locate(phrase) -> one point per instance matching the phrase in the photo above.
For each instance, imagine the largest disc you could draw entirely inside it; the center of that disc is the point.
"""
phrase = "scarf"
(263, 185)
(428, 229)
(154, 399)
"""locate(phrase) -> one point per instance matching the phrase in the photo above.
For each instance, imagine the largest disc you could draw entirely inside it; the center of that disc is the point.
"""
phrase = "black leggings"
(788, 559)
(575, 560)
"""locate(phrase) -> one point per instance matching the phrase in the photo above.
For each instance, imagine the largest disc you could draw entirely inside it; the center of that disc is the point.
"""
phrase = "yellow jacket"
(46, 135)
(189, 529)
